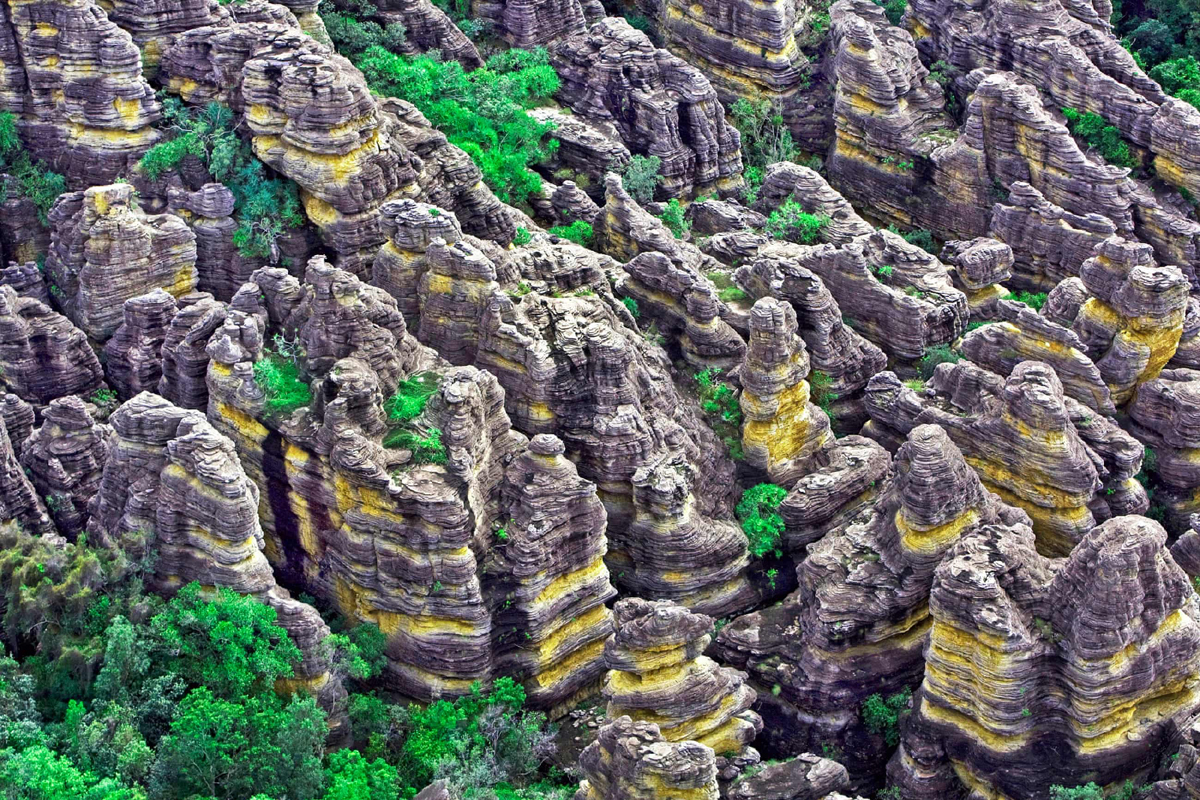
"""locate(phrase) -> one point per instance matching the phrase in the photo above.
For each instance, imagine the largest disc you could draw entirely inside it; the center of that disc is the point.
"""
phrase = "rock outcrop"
(42, 355)
(401, 263)
(133, 356)
(221, 269)
(169, 472)
(84, 107)
(631, 760)
(1163, 417)
(783, 428)
(65, 458)
(106, 250)
(657, 673)
(1096, 652)
(661, 105)
(185, 350)
(862, 606)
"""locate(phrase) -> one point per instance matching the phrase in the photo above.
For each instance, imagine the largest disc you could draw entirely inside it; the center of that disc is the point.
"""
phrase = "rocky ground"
(794, 400)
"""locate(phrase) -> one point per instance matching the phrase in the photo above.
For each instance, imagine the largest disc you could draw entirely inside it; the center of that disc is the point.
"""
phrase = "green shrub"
(919, 237)
(731, 294)
(410, 397)
(894, 9)
(1098, 135)
(673, 218)
(791, 223)
(940, 354)
(34, 180)
(632, 305)
(883, 715)
(522, 236)
(1089, 791)
(758, 511)
(426, 449)
(719, 402)
(578, 232)
(1031, 299)
(483, 112)
(641, 177)
(280, 380)
(765, 138)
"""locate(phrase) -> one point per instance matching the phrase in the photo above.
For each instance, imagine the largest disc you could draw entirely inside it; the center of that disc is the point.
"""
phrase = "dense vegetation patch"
(30, 179)
(719, 401)
(792, 223)
(882, 715)
(281, 381)
(265, 204)
(1101, 137)
(758, 511)
(641, 177)
(483, 112)
(579, 232)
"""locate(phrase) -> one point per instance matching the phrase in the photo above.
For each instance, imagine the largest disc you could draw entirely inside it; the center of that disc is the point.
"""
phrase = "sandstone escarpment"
(783, 429)
(106, 250)
(84, 107)
(133, 356)
(632, 760)
(43, 356)
(529, 23)
(570, 367)
(657, 673)
(1095, 652)
(19, 500)
(453, 293)
(171, 473)
(65, 458)
(862, 606)
(661, 105)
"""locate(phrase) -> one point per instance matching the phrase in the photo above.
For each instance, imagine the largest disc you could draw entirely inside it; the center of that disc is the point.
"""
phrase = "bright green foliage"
(893, 8)
(38, 773)
(280, 380)
(1149, 466)
(411, 396)
(107, 741)
(1098, 135)
(919, 237)
(483, 112)
(672, 217)
(578, 232)
(792, 223)
(352, 31)
(426, 448)
(232, 750)
(758, 511)
(228, 643)
(522, 236)
(1180, 77)
(940, 354)
(765, 139)
(641, 177)
(34, 180)
(1034, 300)
(632, 305)
(349, 776)
(883, 715)
(359, 652)
(731, 294)
(719, 401)
(478, 741)
(1089, 791)
(264, 205)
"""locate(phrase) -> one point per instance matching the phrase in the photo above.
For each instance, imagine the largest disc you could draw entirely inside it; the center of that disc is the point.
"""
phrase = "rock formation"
(1096, 651)
(631, 760)
(185, 350)
(862, 606)
(671, 110)
(401, 263)
(42, 355)
(65, 458)
(106, 250)
(220, 268)
(133, 356)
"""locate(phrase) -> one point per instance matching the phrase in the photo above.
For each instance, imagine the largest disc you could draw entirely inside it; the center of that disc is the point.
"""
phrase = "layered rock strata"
(133, 356)
(43, 356)
(1096, 652)
(106, 250)
(185, 350)
(661, 105)
(633, 760)
(65, 458)
(863, 606)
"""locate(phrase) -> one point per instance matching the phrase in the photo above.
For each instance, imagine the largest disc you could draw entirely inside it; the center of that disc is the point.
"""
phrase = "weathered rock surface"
(1163, 417)
(1096, 652)
(43, 356)
(65, 458)
(402, 261)
(529, 23)
(570, 367)
(26, 280)
(133, 356)
(633, 761)
(106, 250)
(782, 429)
(221, 269)
(862, 605)
(456, 287)
(185, 350)
(657, 674)
(977, 267)
(661, 105)
(86, 110)
(805, 777)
